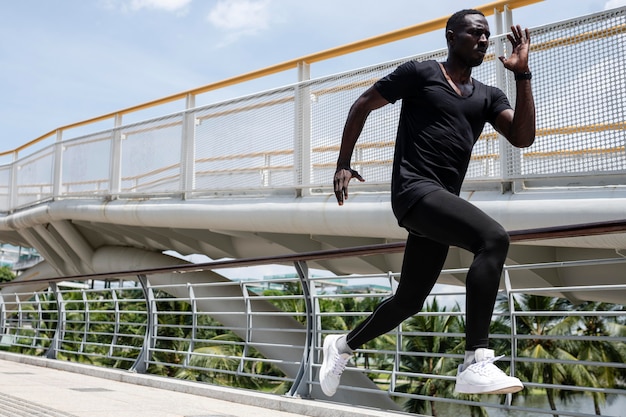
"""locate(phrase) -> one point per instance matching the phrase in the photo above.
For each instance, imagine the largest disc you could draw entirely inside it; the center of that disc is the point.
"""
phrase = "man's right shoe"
(483, 377)
(332, 366)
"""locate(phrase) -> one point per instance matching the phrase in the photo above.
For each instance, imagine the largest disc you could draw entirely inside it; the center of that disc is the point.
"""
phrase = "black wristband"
(523, 76)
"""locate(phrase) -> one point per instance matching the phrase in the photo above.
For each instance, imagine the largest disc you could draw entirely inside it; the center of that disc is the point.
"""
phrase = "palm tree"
(219, 362)
(173, 333)
(431, 364)
(601, 351)
(548, 352)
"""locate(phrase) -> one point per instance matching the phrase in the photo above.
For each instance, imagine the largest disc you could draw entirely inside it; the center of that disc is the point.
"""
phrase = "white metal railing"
(126, 320)
(288, 138)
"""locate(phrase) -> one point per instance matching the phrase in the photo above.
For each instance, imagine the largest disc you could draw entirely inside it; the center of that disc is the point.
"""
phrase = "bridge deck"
(32, 386)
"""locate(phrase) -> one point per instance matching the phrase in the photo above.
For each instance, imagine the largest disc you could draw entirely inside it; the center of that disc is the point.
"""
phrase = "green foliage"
(430, 356)
(559, 356)
(6, 274)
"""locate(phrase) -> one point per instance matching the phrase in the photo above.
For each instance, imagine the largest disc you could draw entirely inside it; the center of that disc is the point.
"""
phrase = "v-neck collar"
(451, 83)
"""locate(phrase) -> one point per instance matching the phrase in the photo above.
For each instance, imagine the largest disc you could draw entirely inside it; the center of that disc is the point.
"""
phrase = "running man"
(443, 113)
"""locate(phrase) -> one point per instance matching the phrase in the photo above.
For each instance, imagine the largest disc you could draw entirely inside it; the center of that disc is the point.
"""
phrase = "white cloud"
(167, 5)
(611, 4)
(178, 6)
(240, 16)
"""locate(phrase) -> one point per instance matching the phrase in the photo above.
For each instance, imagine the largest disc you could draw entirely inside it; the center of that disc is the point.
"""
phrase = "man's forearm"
(351, 132)
(523, 127)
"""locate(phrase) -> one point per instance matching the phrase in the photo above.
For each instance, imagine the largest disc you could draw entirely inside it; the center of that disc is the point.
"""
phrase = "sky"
(70, 60)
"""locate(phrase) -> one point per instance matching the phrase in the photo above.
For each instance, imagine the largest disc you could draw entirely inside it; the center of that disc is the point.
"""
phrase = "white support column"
(115, 174)
(509, 155)
(302, 136)
(188, 148)
(57, 180)
(503, 145)
(13, 183)
(508, 16)
(514, 154)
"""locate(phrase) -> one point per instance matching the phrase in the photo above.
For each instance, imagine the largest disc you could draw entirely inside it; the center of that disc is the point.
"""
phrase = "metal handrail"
(68, 337)
(555, 232)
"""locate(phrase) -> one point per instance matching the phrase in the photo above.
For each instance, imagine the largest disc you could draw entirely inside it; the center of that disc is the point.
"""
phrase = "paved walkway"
(40, 387)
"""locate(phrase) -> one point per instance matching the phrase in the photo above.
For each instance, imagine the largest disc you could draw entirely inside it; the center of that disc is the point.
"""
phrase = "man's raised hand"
(520, 43)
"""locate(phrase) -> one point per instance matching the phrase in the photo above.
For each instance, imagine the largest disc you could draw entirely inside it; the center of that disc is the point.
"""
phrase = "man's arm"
(360, 110)
(519, 126)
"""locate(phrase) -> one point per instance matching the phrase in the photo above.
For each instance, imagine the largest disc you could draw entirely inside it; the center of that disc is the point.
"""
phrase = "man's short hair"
(459, 17)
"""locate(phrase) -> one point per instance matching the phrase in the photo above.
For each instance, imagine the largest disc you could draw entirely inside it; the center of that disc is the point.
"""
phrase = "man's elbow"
(524, 141)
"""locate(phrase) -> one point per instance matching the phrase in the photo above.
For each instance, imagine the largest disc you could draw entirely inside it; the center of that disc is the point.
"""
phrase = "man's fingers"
(341, 181)
(518, 35)
(341, 188)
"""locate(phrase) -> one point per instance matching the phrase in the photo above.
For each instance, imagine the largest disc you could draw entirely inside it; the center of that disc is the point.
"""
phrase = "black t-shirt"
(436, 132)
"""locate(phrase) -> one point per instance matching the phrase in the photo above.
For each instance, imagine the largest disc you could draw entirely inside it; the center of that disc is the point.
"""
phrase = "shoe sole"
(472, 389)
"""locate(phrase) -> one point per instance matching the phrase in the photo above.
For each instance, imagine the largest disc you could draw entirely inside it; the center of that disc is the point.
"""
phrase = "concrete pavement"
(41, 387)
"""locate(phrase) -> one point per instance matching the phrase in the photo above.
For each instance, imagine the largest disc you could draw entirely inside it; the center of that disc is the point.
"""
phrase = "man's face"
(469, 40)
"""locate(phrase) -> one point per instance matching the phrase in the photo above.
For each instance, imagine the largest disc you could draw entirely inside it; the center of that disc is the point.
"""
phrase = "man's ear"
(449, 35)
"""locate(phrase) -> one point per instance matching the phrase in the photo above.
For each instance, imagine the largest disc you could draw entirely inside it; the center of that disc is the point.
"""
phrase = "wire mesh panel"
(373, 156)
(331, 100)
(151, 155)
(86, 165)
(5, 188)
(289, 137)
(485, 162)
(35, 177)
(579, 84)
(246, 143)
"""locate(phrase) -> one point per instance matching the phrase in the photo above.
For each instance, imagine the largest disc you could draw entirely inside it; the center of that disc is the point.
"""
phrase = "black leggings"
(437, 221)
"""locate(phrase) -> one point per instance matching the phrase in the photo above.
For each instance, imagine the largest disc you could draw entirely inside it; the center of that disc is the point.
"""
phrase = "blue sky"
(69, 60)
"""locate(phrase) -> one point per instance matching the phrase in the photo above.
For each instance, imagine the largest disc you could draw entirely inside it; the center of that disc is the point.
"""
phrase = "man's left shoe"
(332, 366)
(483, 377)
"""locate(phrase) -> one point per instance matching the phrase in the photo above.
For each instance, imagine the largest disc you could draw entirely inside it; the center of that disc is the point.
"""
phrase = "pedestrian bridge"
(250, 179)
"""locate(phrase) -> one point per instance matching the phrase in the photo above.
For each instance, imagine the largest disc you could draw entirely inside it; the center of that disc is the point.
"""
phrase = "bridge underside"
(68, 232)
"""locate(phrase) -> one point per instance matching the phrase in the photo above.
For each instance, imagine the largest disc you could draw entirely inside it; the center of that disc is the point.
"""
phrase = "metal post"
(194, 324)
(508, 287)
(118, 316)
(302, 136)
(249, 324)
(115, 174)
(300, 385)
(188, 148)
(504, 146)
(86, 312)
(57, 180)
(510, 156)
(13, 184)
(59, 333)
(508, 16)
(141, 363)
(3, 317)
(39, 319)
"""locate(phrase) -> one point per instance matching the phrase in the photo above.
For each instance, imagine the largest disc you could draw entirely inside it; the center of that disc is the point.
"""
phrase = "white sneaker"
(483, 377)
(332, 366)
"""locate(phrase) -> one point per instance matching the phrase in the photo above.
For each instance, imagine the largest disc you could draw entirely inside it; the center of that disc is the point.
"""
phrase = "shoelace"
(487, 367)
(340, 364)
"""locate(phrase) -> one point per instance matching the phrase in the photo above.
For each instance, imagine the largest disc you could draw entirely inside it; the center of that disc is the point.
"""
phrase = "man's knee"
(497, 241)
(502, 238)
